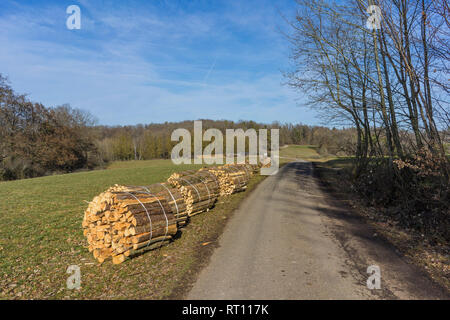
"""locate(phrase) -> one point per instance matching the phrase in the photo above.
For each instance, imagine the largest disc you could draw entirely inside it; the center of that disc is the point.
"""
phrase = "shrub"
(415, 191)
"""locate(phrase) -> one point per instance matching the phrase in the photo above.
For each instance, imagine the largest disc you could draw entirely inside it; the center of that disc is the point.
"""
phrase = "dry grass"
(41, 235)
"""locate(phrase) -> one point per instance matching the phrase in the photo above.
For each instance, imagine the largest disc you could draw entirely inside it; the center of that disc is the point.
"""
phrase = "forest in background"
(36, 140)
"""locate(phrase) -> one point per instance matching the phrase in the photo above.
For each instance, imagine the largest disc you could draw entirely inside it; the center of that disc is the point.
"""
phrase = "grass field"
(306, 152)
(41, 235)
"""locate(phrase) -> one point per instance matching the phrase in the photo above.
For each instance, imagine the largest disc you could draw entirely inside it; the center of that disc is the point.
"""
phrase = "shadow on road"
(360, 241)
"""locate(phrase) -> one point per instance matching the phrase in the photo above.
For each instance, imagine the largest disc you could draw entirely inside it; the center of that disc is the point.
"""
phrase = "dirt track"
(289, 240)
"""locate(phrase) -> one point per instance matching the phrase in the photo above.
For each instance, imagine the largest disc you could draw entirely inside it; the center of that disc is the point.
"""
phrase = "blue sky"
(153, 61)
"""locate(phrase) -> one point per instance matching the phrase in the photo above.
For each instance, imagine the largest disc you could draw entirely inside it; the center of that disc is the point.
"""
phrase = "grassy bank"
(41, 235)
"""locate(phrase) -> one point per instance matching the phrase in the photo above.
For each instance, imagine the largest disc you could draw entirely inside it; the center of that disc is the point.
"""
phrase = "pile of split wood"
(122, 224)
(125, 221)
(173, 196)
(200, 190)
(232, 178)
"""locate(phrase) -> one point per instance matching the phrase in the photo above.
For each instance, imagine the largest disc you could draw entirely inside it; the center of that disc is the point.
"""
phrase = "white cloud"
(138, 67)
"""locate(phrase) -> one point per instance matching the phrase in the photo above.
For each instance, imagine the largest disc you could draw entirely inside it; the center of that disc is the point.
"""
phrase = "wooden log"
(143, 220)
(150, 242)
(134, 252)
(120, 258)
(146, 228)
(145, 237)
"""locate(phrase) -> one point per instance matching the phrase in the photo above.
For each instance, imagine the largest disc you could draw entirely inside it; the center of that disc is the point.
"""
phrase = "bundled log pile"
(172, 195)
(231, 178)
(126, 221)
(266, 163)
(200, 191)
(177, 175)
(248, 168)
(123, 224)
(253, 167)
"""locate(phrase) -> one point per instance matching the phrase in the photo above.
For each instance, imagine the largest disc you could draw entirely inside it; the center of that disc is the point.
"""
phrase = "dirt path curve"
(289, 240)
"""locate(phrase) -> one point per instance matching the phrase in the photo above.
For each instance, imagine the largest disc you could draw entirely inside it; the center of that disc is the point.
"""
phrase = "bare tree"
(350, 71)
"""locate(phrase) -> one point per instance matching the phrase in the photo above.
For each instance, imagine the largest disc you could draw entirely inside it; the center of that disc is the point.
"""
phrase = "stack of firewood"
(172, 195)
(177, 175)
(266, 162)
(249, 169)
(122, 224)
(254, 167)
(126, 221)
(200, 190)
(231, 178)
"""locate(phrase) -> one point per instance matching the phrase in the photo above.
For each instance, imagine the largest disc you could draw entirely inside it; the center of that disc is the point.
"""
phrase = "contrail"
(209, 71)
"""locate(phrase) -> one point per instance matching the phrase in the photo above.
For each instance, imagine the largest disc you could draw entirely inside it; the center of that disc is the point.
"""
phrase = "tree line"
(151, 141)
(36, 140)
